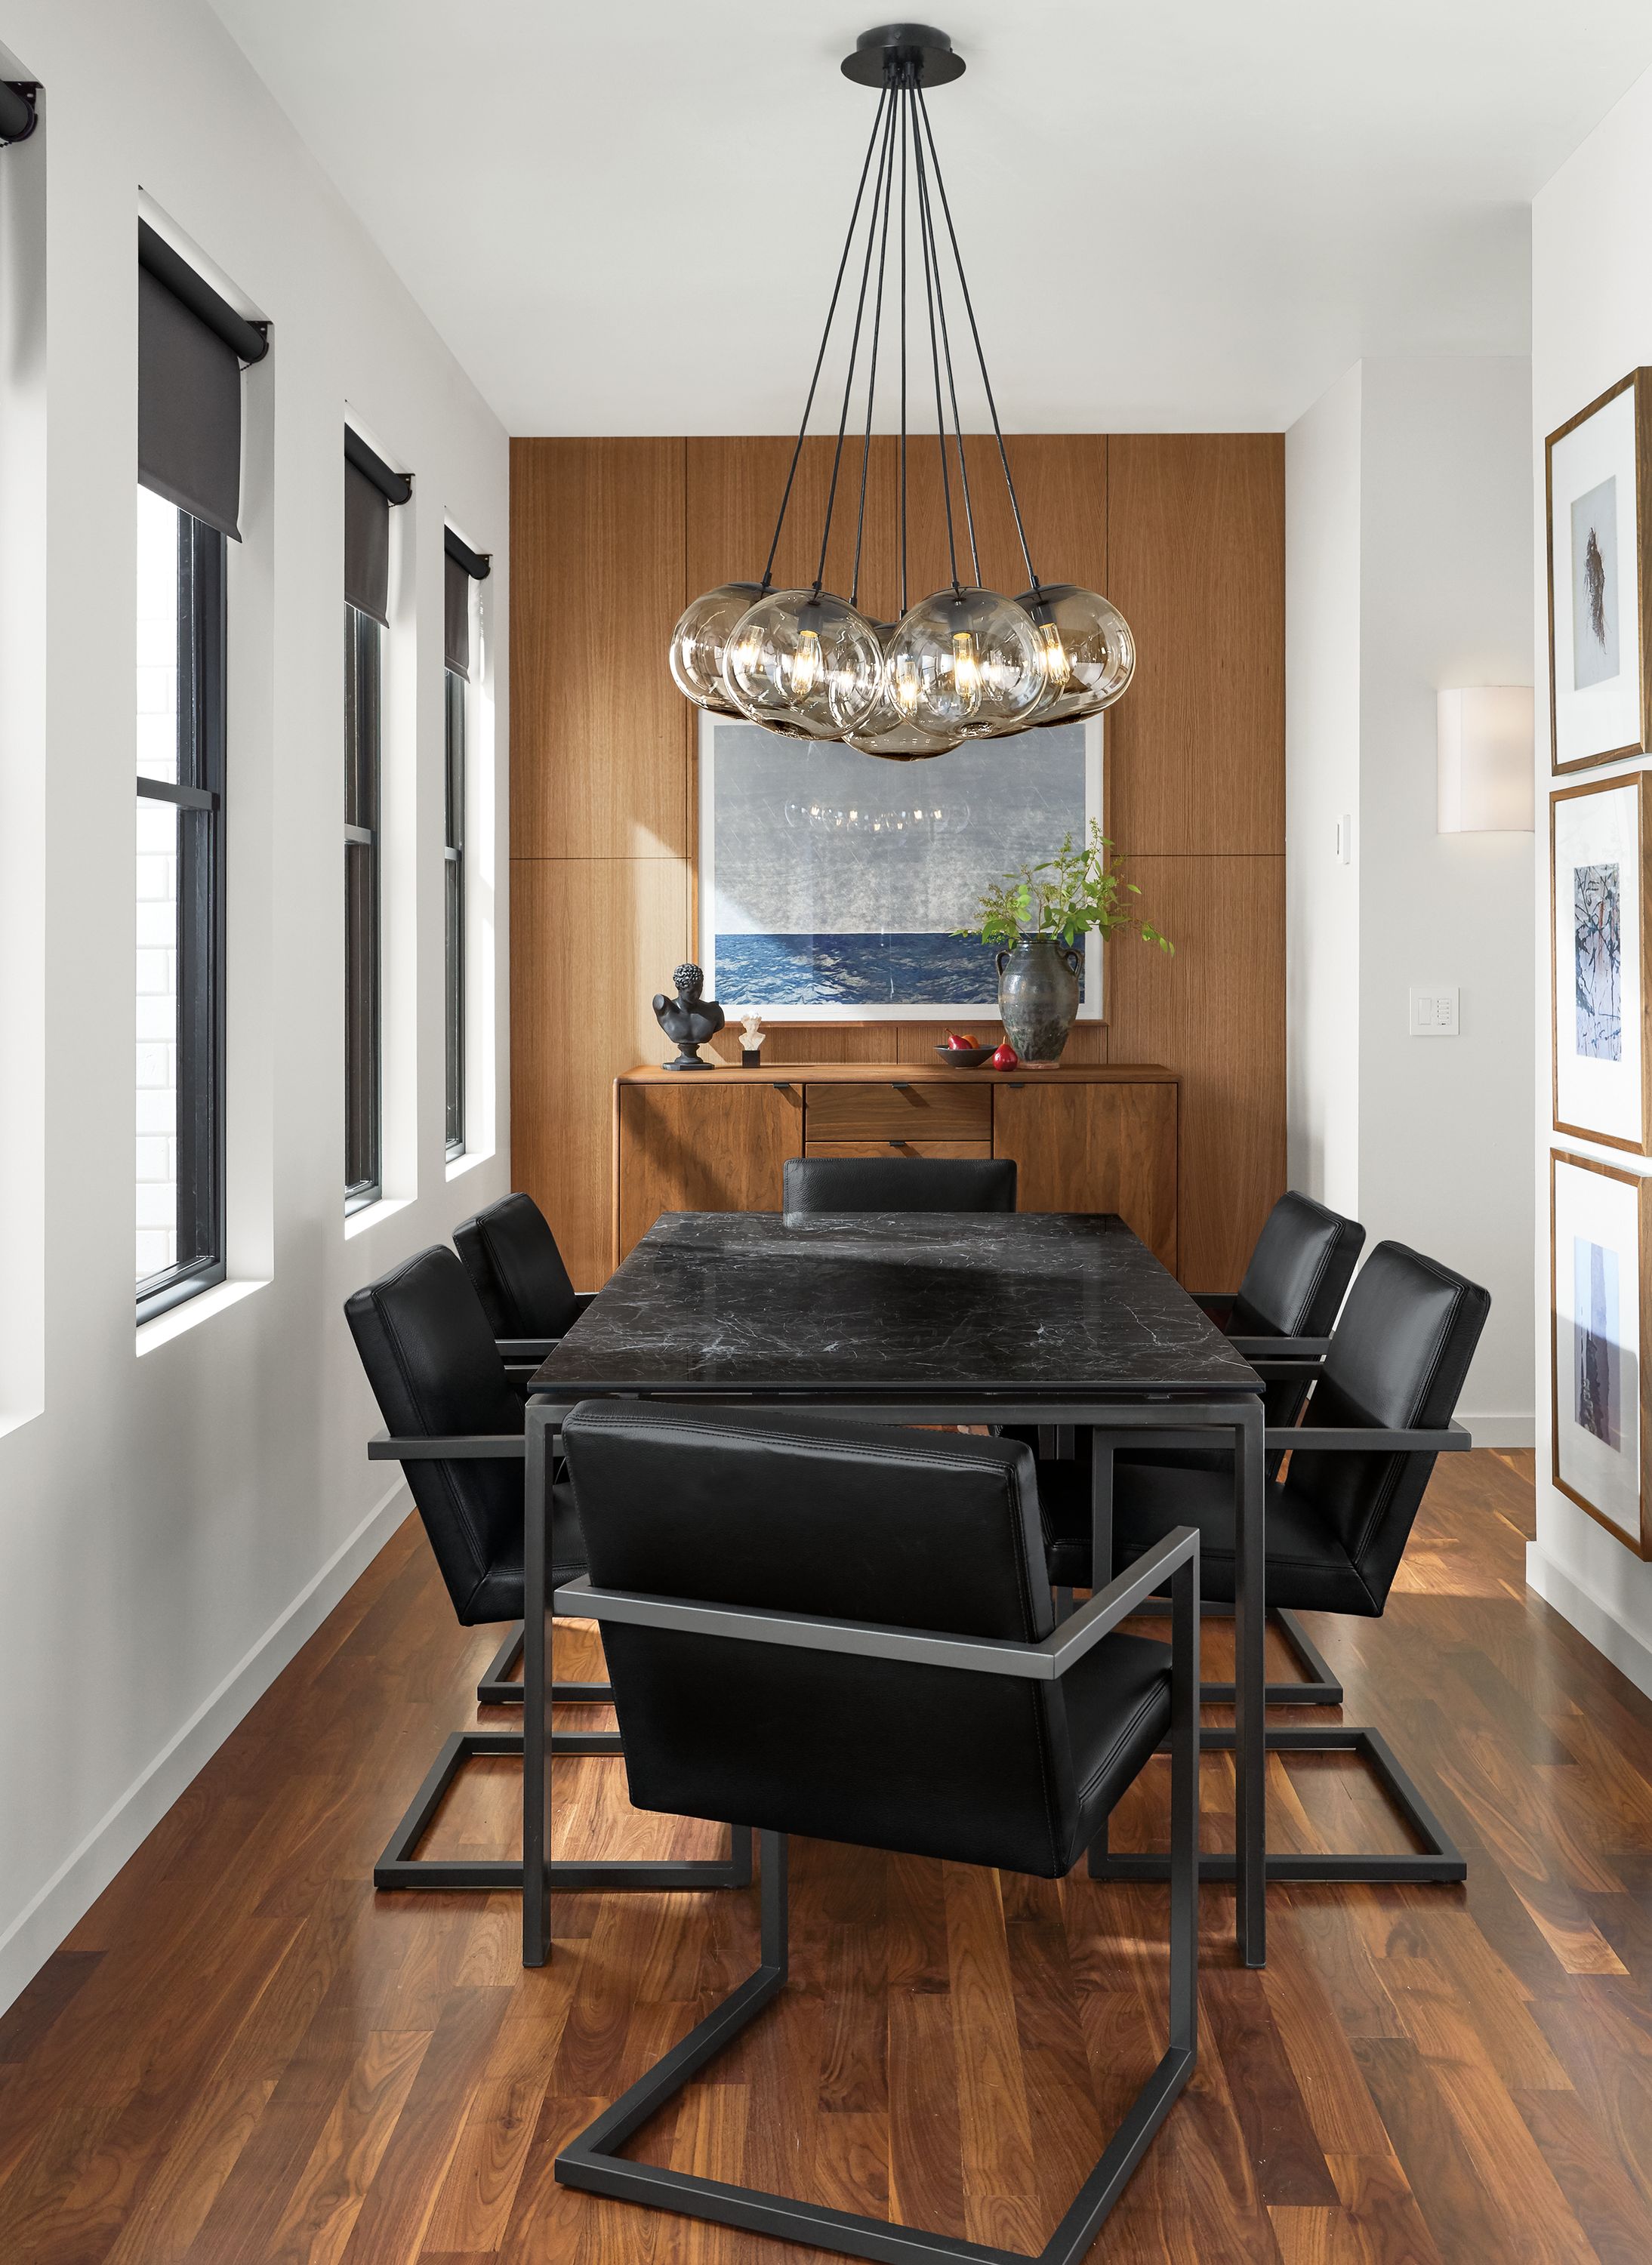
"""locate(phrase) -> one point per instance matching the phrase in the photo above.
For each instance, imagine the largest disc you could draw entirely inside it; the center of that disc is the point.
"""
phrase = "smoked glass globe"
(886, 733)
(699, 640)
(1090, 655)
(805, 659)
(966, 664)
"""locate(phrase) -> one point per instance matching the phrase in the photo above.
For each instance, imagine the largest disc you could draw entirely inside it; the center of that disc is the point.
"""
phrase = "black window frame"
(453, 877)
(364, 1018)
(197, 797)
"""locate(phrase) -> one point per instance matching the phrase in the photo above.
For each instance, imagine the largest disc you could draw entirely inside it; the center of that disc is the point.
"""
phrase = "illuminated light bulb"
(966, 670)
(1055, 657)
(905, 687)
(1095, 641)
(805, 665)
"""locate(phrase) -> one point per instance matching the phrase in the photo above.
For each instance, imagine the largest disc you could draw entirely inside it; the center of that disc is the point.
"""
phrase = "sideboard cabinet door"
(1095, 1147)
(693, 1146)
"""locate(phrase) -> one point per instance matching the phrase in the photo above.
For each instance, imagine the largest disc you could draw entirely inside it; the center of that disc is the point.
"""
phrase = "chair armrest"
(1295, 1349)
(533, 1348)
(1035, 1662)
(457, 1447)
(1361, 1439)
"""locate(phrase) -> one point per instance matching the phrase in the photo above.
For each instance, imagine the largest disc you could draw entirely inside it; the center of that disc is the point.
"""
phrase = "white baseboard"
(1500, 1431)
(72, 1890)
(1590, 1616)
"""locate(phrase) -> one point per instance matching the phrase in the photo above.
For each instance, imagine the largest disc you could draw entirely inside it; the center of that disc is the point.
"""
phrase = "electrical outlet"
(1434, 1012)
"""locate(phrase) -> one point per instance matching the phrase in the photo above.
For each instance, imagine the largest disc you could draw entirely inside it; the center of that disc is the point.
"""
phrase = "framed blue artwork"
(831, 882)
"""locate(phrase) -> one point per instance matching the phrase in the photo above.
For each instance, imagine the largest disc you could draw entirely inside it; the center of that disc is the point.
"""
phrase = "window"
(180, 903)
(453, 909)
(362, 690)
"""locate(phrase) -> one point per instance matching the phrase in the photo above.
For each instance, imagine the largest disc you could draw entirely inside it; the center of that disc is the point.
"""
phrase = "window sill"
(190, 1311)
(357, 1222)
(467, 1160)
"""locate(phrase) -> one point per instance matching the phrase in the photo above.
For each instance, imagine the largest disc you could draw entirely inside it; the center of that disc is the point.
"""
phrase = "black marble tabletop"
(1024, 1305)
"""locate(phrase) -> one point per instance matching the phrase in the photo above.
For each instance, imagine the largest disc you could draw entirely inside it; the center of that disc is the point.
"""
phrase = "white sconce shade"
(1485, 760)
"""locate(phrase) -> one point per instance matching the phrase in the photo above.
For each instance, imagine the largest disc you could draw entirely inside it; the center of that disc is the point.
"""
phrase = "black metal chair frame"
(399, 1867)
(593, 2160)
(1438, 1859)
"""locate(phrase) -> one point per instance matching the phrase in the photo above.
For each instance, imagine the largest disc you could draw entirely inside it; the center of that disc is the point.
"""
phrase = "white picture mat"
(1091, 1004)
(1605, 717)
(1606, 1211)
(1599, 829)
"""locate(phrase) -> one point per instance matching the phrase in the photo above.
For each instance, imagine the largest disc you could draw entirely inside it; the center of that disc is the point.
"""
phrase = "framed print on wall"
(1598, 1254)
(830, 881)
(1598, 837)
(1599, 530)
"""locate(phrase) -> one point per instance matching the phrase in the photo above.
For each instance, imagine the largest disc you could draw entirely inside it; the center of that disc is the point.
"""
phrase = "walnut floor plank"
(234, 2065)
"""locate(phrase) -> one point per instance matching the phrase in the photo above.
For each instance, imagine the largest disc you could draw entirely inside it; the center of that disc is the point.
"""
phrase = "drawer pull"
(898, 1144)
(783, 1085)
(900, 1085)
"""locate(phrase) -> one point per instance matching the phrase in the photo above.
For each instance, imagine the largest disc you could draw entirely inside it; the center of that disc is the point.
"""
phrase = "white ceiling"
(1177, 213)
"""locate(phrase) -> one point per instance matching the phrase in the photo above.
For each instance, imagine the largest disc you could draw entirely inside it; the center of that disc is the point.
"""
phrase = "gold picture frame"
(1566, 1425)
(1602, 710)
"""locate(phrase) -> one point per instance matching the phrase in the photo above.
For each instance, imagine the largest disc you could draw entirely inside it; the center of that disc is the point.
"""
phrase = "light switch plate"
(1434, 1011)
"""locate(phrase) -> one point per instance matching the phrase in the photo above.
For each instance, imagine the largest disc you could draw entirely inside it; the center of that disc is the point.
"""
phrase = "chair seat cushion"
(499, 1596)
(1308, 1570)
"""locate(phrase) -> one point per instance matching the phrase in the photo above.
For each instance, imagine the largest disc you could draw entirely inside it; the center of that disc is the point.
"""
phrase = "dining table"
(1058, 1319)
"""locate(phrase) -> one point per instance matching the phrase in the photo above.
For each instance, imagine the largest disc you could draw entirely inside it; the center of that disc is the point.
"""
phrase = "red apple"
(1005, 1057)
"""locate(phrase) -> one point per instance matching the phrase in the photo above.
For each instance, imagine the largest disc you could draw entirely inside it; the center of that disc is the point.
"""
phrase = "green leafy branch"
(1075, 892)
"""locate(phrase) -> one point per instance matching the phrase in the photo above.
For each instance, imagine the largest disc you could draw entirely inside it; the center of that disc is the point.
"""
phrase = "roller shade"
(370, 487)
(462, 566)
(191, 346)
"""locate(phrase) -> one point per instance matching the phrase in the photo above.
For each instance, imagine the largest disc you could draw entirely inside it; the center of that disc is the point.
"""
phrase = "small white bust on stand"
(752, 1036)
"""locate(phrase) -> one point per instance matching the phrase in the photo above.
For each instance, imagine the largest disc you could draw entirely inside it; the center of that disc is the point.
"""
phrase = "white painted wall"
(1592, 324)
(1408, 494)
(173, 1523)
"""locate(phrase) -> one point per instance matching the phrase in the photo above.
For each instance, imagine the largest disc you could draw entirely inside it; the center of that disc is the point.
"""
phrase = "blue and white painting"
(1598, 1343)
(831, 882)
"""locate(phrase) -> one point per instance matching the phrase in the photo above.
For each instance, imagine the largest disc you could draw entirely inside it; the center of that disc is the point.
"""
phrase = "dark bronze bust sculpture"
(688, 1018)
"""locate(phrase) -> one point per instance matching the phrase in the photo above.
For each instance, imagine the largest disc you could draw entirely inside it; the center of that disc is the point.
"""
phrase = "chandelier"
(966, 663)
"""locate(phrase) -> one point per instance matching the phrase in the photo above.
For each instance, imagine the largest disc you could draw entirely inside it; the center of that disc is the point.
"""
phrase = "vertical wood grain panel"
(1061, 480)
(1093, 1148)
(733, 490)
(1196, 563)
(684, 1149)
(1215, 1013)
(600, 738)
(591, 941)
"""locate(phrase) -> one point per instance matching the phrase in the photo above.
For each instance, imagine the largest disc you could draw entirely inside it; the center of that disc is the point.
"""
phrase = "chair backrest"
(1294, 1285)
(430, 1356)
(510, 1256)
(839, 1184)
(846, 1521)
(1399, 1356)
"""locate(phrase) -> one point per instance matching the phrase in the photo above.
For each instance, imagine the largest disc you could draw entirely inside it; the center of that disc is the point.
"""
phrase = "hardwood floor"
(242, 2055)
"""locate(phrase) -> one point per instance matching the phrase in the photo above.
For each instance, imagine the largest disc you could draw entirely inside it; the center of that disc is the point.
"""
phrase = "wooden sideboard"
(1101, 1138)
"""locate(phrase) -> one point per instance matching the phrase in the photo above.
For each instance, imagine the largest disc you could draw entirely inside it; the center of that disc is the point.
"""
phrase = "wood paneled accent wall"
(610, 538)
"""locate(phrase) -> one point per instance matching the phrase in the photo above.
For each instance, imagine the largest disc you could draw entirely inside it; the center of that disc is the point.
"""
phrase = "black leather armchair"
(816, 1183)
(1280, 1317)
(881, 1665)
(456, 1425)
(1339, 1518)
(510, 1253)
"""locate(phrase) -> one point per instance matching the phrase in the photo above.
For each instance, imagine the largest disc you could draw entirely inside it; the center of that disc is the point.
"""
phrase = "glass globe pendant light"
(700, 640)
(1089, 654)
(966, 663)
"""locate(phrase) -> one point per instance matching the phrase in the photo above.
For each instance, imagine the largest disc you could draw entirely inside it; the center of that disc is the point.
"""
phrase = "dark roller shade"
(477, 563)
(456, 609)
(189, 410)
(366, 544)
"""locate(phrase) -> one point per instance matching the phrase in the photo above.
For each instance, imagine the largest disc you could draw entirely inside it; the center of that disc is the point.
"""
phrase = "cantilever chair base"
(399, 1869)
(592, 2161)
(499, 1687)
(1437, 1859)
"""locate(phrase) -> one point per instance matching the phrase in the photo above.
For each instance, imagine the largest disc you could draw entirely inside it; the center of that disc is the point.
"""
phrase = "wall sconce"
(1485, 760)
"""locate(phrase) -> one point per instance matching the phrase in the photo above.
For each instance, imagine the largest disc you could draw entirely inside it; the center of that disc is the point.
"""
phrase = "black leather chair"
(456, 1423)
(1281, 1313)
(510, 1256)
(1337, 1522)
(824, 1628)
(816, 1183)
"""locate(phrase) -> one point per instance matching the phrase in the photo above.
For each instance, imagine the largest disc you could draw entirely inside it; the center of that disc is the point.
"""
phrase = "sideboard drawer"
(978, 1149)
(894, 1111)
